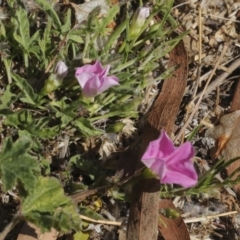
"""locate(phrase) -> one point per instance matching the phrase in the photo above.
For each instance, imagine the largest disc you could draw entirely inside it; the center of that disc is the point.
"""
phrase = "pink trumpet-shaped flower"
(94, 80)
(172, 165)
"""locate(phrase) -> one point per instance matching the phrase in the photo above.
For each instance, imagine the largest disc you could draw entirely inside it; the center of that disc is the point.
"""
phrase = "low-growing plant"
(41, 101)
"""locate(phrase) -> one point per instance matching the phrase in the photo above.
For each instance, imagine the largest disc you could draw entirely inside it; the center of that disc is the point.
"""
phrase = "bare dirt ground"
(213, 50)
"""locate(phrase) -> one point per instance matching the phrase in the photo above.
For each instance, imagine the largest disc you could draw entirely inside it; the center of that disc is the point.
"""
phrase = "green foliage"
(7, 98)
(17, 165)
(208, 182)
(48, 8)
(90, 213)
(28, 95)
(81, 236)
(32, 43)
(48, 207)
(27, 44)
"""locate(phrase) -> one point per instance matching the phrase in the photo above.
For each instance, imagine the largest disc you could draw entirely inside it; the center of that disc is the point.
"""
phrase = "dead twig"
(218, 81)
(100, 221)
(204, 218)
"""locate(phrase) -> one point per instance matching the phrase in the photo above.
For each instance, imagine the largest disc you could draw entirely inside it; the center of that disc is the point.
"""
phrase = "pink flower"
(173, 165)
(94, 80)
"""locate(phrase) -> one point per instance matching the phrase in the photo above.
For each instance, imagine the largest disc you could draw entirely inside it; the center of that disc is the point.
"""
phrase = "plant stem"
(6, 64)
(10, 226)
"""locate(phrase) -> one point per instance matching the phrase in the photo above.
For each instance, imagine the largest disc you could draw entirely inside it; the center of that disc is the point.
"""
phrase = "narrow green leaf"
(111, 14)
(85, 127)
(23, 26)
(75, 38)
(48, 8)
(67, 26)
(91, 213)
(115, 35)
(30, 96)
(34, 38)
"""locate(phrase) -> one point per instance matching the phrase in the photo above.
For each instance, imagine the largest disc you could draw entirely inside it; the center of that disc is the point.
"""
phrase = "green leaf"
(48, 8)
(45, 42)
(81, 236)
(48, 207)
(7, 98)
(18, 118)
(17, 165)
(34, 38)
(66, 112)
(6, 112)
(112, 12)
(75, 38)
(91, 214)
(115, 35)
(30, 97)
(44, 133)
(85, 127)
(23, 119)
(67, 26)
(23, 27)
(115, 127)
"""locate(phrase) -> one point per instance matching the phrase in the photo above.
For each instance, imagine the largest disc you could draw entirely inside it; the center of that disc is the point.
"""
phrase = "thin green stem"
(8, 71)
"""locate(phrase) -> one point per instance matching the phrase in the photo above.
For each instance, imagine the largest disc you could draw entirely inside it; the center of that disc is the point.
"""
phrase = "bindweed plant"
(70, 74)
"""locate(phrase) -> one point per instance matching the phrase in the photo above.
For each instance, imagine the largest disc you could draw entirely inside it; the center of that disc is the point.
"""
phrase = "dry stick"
(100, 221)
(200, 43)
(205, 76)
(218, 81)
(204, 218)
(202, 94)
(198, 82)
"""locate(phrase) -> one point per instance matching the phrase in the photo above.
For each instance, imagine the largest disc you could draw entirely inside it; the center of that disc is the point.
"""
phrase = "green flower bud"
(55, 79)
(115, 128)
(138, 22)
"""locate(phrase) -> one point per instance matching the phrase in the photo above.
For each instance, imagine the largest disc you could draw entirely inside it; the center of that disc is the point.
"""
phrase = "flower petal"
(181, 154)
(180, 168)
(91, 88)
(61, 70)
(104, 72)
(159, 148)
(93, 68)
(179, 178)
(84, 77)
(172, 165)
(87, 74)
(107, 82)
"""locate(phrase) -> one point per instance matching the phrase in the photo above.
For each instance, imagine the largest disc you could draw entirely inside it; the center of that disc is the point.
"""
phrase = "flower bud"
(61, 70)
(55, 79)
(138, 21)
